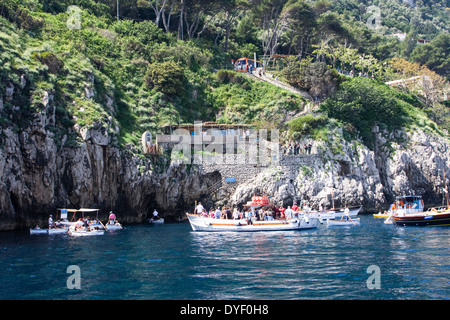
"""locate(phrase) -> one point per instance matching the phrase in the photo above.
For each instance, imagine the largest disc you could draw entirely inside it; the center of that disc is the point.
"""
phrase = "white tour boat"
(198, 223)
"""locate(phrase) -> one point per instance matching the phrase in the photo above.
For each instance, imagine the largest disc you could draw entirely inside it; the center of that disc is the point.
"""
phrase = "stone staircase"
(269, 78)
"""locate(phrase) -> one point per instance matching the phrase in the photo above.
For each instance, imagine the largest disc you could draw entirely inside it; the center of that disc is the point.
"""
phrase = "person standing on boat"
(250, 214)
(199, 208)
(50, 221)
(288, 213)
(217, 213)
(236, 214)
(112, 218)
(155, 214)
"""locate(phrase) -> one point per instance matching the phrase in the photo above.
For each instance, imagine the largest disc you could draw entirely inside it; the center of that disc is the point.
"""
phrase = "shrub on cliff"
(166, 77)
(364, 103)
(305, 125)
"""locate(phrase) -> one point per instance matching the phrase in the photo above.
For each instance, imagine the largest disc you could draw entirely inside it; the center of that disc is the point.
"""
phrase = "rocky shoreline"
(39, 176)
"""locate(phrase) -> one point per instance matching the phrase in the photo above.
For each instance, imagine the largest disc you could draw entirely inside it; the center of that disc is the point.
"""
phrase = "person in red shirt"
(282, 209)
(294, 207)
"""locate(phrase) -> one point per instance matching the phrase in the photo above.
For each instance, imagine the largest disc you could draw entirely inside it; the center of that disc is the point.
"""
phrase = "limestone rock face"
(356, 175)
(40, 173)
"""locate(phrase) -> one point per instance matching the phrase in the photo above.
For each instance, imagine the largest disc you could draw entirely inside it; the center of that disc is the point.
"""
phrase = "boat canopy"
(64, 212)
(80, 210)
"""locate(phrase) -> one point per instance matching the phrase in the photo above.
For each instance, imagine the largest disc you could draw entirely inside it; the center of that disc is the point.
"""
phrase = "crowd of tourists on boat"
(259, 214)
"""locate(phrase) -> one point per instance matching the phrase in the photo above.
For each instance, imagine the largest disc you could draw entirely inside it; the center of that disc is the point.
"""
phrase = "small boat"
(59, 227)
(337, 213)
(156, 221)
(344, 222)
(432, 217)
(49, 231)
(39, 231)
(411, 212)
(381, 215)
(199, 223)
(113, 226)
(58, 230)
(324, 215)
(83, 232)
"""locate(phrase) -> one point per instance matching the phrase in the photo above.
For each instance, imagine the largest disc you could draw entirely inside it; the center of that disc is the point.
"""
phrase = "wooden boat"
(432, 217)
(412, 213)
(343, 222)
(199, 223)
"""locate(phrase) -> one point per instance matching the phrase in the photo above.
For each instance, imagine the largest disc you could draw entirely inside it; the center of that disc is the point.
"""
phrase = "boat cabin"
(408, 203)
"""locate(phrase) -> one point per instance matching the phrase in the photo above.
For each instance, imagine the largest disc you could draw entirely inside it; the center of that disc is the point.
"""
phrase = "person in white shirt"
(288, 213)
(155, 215)
(50, 222)
(199, 208)
(236, 214)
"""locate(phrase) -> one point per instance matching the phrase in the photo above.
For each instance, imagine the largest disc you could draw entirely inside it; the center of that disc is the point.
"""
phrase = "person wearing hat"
(50, 221)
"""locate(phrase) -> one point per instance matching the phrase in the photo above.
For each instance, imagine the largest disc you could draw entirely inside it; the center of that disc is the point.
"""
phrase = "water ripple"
(172, 262)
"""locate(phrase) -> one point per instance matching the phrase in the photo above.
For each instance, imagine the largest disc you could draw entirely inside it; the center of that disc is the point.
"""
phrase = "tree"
(435, 55)
(316, 78)
(166, 77)
(301, 23)
(363, 103)
(272, 23)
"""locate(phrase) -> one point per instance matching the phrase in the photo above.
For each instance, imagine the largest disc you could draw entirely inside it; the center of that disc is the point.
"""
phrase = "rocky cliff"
(351, 174)
(39, 174)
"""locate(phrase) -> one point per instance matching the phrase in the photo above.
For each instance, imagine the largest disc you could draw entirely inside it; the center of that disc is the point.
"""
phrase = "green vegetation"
(364, 103)
(149, 68)
(307, 124)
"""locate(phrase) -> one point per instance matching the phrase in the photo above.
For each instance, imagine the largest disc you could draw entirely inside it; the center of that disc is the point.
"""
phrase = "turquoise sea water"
(172, 262)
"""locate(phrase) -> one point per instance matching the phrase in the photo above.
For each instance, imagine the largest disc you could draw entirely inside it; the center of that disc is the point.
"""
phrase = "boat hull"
(221, 225)
(49, 231)
(116, 226)
(425, 219)
(381, 215)
(86, 233)
(157, 221)
(338, 213)
(343, 223)
(38, 231)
